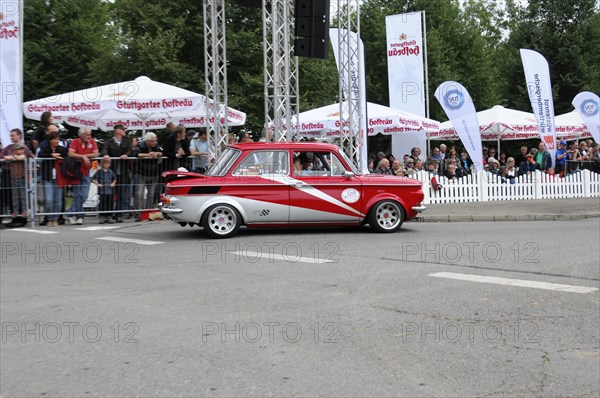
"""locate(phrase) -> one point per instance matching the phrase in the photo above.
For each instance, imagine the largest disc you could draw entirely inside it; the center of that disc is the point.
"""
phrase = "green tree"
(160, 39)
(567, 34)
(62, 39)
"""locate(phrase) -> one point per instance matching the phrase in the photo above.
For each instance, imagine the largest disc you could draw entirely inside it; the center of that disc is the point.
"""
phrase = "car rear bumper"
(169, 210)
(419, 209)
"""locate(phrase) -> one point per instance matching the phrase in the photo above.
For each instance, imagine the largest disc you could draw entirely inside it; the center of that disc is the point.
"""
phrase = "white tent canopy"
(137, 104)
(325, 121)
(497, 123)
(570, 126)
(500, 123)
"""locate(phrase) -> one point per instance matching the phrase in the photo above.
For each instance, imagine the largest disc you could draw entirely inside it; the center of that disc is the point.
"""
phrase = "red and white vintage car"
(287, 184)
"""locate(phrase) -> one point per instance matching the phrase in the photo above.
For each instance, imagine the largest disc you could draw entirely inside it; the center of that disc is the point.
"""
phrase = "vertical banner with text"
(406, 77)
(458, 105)
(357, 78)
(11, 65)
(588, 106)
(405, 62)
(537, 78)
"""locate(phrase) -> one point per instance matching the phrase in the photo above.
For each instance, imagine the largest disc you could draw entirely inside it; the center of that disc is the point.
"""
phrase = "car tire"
(386, 216)
(221, 221)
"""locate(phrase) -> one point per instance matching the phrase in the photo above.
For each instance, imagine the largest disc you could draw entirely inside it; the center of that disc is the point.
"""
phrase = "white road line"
(252, 256)
(128, 240)
(515, 282)
(95, 228)
(35, 231)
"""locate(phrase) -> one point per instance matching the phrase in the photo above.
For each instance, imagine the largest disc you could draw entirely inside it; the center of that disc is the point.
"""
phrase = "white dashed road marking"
(128, 240)
(289, 259)
(35, 231)
(95, 228)
(515, 282)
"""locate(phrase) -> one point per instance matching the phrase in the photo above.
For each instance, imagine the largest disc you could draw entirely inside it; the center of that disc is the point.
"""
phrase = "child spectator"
(16, 166)
(106, 180)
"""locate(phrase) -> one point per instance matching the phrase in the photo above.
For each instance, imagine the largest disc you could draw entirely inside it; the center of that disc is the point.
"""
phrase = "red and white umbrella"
(325, 121)
(138, 104)
(570, 126)
(497, 123)
(509, 124)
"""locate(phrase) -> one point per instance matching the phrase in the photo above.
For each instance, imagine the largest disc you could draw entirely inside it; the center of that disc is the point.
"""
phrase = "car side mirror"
(348, 174)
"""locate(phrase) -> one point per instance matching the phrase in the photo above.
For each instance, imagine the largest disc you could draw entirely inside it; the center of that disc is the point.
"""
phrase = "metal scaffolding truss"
(281, 69)
(215, 73)
(351, 89)
(281, 80)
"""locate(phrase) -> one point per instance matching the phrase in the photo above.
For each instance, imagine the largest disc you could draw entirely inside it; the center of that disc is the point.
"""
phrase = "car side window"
(317, 164)
(263, 163)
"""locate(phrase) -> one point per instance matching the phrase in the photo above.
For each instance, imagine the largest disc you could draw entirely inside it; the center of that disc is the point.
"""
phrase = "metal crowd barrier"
(137, 190)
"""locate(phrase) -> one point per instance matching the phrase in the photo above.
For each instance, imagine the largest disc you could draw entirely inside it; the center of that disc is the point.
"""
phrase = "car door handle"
(299, 184)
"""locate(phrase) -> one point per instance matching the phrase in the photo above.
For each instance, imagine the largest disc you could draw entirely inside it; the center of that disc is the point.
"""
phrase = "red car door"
(259, 184)
(322, 192)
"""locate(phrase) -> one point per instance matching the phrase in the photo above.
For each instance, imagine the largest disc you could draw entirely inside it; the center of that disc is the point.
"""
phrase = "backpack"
(71, 169)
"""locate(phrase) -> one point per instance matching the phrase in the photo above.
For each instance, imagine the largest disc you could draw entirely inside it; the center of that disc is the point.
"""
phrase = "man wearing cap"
(561, 158)
(410, 167)
(119, 148)
(493, 165)
(543, 159)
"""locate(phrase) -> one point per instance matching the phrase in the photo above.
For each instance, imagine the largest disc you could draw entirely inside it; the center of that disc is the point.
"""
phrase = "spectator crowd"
(448, 162)
(125, 170)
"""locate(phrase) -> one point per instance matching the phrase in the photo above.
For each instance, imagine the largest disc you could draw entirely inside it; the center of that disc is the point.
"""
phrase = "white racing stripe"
(254, 256)
(128, 240)
(309, 189)
(35, 231)
(515, 282)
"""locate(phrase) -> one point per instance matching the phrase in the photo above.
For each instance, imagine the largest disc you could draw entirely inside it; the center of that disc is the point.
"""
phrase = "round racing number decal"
(350, 195)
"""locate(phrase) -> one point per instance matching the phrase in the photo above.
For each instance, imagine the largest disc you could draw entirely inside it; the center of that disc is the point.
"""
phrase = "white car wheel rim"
(388, 215)
(222, 220)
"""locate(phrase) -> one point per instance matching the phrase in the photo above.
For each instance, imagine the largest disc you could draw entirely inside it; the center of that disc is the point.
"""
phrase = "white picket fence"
(483, 187)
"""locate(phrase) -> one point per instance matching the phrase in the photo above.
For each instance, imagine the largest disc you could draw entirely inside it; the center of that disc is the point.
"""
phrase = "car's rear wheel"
(386, 216)
(221, 221)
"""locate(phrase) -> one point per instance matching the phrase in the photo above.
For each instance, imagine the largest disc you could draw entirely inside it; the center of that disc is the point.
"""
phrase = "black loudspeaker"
(250, 3)
(312, 28)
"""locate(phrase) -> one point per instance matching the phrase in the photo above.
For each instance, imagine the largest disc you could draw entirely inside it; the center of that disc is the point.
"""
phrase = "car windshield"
(224, 162)
(350, 163)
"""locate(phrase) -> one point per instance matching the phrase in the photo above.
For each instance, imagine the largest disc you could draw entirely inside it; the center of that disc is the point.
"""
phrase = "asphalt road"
(302, 313)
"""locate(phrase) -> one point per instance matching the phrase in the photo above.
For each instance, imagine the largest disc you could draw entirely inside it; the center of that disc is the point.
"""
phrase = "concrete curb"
(507, 217)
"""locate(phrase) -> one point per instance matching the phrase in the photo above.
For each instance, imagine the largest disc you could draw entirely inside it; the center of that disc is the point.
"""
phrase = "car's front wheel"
(221, 221)
(386, 216)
